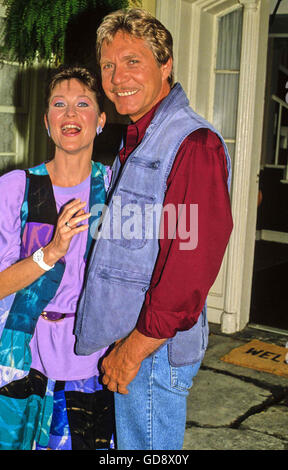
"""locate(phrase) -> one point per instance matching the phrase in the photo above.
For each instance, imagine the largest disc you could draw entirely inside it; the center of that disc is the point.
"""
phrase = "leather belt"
(56, 316)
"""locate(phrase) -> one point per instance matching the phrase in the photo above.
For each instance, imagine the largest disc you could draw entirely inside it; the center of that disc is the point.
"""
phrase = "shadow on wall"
(79, 50)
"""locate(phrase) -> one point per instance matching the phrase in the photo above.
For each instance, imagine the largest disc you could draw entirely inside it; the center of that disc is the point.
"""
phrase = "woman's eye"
(83, 104)
(59, 104)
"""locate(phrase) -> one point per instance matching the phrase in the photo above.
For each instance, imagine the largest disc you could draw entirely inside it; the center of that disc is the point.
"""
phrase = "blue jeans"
(153, 415)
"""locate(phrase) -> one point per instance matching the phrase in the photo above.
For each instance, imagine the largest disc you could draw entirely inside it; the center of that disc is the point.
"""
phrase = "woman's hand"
(67, 227)
(26, 271)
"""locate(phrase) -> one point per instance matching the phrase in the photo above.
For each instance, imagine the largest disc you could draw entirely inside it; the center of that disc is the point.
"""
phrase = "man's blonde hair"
(142, 25)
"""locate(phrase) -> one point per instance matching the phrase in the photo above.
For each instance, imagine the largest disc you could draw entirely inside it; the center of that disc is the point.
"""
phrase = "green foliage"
(36, 29)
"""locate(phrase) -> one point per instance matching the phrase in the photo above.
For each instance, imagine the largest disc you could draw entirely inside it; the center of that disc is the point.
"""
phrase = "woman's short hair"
(140, 24)
(82, 74)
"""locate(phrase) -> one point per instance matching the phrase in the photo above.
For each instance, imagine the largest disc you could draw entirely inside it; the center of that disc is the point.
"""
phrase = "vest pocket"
(124, 293)
(153, 165)
(130, 280)
(131, 221)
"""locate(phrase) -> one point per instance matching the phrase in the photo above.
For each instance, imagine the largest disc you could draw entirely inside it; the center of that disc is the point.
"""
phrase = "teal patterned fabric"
(28, 419)
(56, 415)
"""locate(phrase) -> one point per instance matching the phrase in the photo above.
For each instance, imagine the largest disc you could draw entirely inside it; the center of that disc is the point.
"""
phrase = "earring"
(48, 131)
(99, 130)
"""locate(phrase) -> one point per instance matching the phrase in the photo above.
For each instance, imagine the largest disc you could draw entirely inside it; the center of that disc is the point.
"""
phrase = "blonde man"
(151, 294)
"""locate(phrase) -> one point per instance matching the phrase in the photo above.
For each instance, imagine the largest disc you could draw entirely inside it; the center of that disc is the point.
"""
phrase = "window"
(227, 72)
(13, 112)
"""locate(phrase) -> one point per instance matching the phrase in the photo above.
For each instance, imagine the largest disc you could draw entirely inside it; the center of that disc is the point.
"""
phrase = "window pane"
(7, 133)
(225, 104)
(231, 150)
(229, 41)
(10, 85)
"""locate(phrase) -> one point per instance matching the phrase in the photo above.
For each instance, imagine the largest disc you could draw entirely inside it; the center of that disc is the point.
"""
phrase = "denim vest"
(121, 266)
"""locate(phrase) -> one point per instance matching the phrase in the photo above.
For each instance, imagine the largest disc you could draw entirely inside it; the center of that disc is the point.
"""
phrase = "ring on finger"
(67, 224)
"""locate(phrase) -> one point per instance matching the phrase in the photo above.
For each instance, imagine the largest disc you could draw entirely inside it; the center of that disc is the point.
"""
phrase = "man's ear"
(167, 68)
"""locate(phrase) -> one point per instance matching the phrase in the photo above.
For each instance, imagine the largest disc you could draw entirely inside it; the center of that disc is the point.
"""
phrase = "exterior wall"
(149, 5)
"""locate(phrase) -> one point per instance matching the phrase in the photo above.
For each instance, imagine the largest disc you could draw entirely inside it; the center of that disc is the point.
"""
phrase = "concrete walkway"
(236, 408)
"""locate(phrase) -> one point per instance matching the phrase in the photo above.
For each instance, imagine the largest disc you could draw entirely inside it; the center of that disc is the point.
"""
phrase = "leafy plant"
(37, 29)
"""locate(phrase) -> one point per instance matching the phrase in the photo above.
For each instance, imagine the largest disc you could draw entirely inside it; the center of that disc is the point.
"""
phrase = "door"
(269, 286)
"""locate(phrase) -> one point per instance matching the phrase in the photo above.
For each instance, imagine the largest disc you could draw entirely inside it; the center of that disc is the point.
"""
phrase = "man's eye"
(133, 61)
(106, 66)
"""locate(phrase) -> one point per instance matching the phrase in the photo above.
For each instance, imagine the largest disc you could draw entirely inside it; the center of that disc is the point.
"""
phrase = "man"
(148, 293)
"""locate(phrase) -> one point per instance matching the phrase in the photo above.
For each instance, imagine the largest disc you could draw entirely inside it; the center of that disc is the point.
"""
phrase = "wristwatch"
(38, 257)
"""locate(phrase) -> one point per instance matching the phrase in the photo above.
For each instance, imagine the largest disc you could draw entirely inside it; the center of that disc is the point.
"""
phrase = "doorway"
(269, 300)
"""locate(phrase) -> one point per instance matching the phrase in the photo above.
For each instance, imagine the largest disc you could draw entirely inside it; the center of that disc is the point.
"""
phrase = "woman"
(50, 397)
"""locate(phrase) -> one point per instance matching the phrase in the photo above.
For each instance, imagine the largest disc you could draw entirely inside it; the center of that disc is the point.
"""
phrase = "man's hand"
(122, 364)
(118, 370)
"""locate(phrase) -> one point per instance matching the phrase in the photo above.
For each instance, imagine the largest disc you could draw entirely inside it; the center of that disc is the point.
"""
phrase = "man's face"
(131, 77)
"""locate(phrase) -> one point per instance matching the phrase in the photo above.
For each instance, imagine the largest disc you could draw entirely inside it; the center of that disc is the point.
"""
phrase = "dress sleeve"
(12, 189)
(183, 273)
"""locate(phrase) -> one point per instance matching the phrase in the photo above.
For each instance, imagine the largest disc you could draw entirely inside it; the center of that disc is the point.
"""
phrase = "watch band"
(38, 257)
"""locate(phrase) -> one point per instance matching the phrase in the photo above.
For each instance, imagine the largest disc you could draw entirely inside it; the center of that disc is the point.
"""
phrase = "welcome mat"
(261, 356)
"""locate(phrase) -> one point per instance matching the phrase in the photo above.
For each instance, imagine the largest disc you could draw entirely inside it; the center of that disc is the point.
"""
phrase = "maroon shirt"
(182, 278)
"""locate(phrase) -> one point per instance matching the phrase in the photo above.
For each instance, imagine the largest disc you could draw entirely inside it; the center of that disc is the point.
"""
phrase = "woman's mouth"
(70, 129)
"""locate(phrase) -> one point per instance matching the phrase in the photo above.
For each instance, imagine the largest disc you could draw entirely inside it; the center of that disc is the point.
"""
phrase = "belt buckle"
(45, 316)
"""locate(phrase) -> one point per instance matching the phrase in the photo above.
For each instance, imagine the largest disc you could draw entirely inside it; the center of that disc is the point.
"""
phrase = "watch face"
(38, 256)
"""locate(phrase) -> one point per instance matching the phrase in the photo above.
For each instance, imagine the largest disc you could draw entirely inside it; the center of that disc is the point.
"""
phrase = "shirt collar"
(135, 133)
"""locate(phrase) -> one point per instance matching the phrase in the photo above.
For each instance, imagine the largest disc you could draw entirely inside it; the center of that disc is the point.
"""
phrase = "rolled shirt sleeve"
(188, 264)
